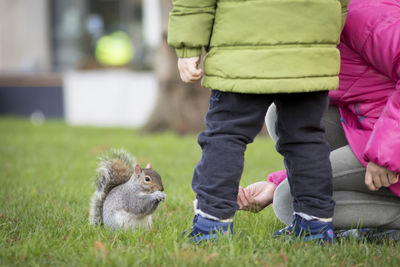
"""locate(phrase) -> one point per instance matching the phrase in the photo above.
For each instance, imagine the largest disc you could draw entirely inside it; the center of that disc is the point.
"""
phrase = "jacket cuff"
(277, 177)
(188, 52)
(384, 145)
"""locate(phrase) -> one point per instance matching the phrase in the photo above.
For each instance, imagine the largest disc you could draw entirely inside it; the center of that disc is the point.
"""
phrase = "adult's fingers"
(248, 196)
(253, 205)
(377, 180)
(385, 181)
(368, 181)
(393, 178)
(239, 198)
(242, 199)
(240, 202)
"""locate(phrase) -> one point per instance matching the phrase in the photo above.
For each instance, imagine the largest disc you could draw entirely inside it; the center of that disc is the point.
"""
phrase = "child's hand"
(189, 70)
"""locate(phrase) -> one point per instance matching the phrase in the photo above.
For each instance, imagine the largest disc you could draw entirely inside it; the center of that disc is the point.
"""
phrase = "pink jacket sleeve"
(383, 147)
(373, 30)
(277, 177)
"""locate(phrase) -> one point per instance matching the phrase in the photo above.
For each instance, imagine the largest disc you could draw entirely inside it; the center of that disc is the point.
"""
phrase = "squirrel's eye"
(147, 179)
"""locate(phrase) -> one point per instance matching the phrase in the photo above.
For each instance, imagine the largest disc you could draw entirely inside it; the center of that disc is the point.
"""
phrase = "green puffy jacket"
(261, 46)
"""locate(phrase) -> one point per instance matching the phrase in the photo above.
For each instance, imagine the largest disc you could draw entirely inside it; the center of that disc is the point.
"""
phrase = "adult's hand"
(189, 69)
(256, 197)
(377, 176)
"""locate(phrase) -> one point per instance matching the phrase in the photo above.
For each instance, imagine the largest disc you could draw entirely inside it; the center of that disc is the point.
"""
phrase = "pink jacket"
(369, 89)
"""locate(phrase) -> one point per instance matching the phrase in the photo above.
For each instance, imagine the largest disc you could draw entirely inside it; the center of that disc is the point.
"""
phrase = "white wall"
(24, 36)
(109, 98)
(152, 22)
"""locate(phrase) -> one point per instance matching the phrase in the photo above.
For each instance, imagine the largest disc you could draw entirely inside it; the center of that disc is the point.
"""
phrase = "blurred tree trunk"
(180, 107)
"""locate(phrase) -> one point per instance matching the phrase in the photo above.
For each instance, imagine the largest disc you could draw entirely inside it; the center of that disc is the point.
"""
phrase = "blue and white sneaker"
(383, 235)
(204, 229)
(355, 233)
(304, 230)
(370, 234)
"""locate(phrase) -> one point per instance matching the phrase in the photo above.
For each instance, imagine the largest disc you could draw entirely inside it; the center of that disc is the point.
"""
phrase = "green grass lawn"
(47, 180)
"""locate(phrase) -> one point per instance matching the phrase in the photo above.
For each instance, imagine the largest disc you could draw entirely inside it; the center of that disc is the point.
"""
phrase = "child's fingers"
(195, 71)
(189, 70)
(184, 76)
(196, 60)
(193, 68)
(193, 79)
(187, 76)
(195, 74)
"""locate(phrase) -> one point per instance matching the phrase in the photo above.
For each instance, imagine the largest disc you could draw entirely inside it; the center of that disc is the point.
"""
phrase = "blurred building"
(50, 64)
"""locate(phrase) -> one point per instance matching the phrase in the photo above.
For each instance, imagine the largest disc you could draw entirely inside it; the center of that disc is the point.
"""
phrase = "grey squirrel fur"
(126, 195)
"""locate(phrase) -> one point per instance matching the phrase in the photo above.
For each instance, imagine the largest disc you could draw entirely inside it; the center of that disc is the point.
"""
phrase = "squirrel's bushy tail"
(115, 168)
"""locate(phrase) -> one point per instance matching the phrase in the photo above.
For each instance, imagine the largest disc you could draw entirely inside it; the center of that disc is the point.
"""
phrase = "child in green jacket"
(261, 52)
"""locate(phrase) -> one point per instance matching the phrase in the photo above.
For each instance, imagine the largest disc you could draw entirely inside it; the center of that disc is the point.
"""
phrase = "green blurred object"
(115, 49)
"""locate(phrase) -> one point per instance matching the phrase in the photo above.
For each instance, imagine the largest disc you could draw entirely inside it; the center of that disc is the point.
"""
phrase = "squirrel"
(126, 195)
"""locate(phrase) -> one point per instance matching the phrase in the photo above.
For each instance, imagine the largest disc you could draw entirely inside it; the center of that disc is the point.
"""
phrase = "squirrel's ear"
(138, 170)
(148, 166)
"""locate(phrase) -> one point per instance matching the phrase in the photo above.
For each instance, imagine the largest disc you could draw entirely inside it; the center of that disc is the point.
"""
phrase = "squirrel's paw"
(158, 195)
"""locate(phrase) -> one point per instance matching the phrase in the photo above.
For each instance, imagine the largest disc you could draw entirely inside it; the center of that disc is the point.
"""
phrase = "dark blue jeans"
(233, 120)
